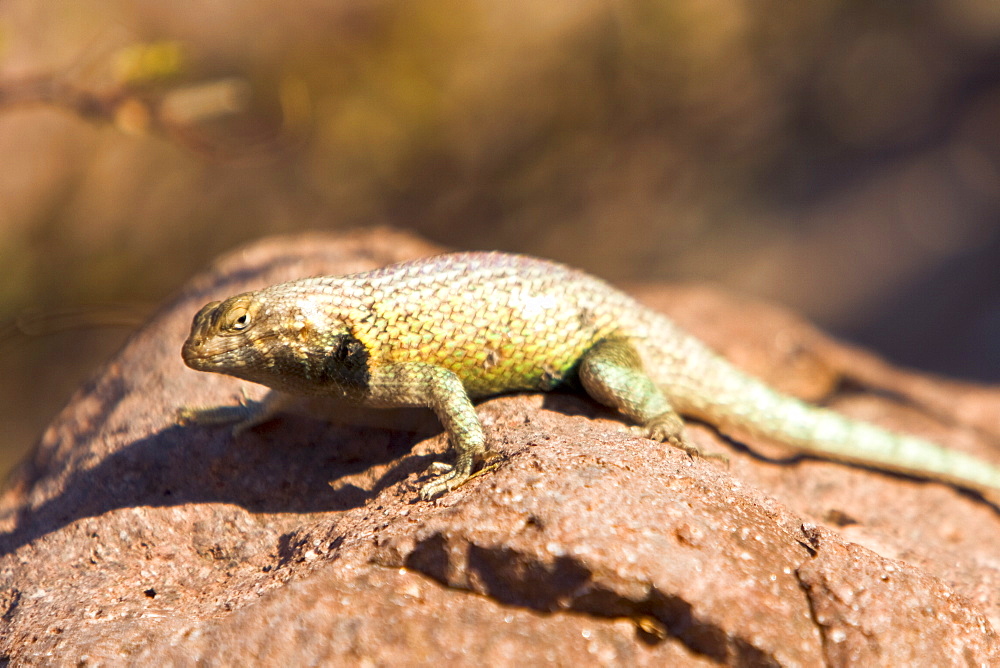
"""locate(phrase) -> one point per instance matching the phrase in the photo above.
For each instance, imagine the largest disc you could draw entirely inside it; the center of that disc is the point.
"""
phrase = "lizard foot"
(669, 428)
(210, 416)
(247, 414)
(448, 478)
(242, 417)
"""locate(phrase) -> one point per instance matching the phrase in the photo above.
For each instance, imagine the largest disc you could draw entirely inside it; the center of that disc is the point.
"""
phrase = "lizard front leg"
(243, 416)
(437, 388)
(611, 372)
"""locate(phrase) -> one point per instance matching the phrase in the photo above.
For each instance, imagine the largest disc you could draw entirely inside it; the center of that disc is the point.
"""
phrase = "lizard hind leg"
(611, 372)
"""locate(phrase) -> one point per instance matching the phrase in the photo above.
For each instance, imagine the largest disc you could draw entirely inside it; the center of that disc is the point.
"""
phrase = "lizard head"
(291, 347)
(225, 336)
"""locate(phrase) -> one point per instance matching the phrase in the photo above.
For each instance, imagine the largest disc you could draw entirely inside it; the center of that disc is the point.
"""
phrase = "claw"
(443, 483)
(449, 477)
(669, 428)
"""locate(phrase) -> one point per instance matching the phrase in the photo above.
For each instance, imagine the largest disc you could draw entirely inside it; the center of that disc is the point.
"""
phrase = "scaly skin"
(442, 331)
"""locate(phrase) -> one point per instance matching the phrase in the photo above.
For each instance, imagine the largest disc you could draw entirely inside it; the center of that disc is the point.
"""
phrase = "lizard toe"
(665, 427)
(441, 484)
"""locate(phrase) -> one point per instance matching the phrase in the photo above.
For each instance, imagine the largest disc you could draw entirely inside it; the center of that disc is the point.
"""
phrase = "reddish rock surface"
(129, 538)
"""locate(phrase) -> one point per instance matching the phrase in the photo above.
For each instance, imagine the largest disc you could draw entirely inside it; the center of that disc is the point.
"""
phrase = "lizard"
(443, 331)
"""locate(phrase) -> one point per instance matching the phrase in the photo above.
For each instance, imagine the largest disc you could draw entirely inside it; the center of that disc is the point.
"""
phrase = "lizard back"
(489, 317)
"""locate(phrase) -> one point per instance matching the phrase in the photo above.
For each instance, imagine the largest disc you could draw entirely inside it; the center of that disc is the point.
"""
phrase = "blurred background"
(840, 157)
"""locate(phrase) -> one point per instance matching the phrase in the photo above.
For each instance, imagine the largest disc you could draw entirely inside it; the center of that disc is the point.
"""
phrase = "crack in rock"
(565, 584)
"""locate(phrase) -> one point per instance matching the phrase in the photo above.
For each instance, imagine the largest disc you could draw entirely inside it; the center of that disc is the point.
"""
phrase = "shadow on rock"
(291, 465)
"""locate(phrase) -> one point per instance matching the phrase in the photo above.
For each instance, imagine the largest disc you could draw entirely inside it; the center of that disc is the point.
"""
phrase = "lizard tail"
(749, 406)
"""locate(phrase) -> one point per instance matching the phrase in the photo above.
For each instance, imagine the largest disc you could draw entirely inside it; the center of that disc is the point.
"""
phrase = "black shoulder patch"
(347, 364)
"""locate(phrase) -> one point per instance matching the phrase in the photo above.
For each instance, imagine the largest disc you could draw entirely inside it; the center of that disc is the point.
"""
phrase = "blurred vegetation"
(841, 157)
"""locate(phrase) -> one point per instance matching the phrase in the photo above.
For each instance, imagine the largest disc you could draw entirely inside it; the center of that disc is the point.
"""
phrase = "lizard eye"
(238, 319)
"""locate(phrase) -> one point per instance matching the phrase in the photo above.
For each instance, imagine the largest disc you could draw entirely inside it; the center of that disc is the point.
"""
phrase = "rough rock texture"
(130, 539)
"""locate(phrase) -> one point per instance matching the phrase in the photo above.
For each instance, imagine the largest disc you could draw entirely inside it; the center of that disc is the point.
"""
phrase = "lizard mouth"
(197, 352)
(213, 353)
(193, 354)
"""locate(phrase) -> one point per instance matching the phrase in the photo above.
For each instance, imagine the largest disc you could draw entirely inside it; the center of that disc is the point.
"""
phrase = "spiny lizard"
(442, 331)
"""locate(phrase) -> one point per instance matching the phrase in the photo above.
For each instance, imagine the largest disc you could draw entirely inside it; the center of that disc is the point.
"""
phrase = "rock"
(131, 539)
